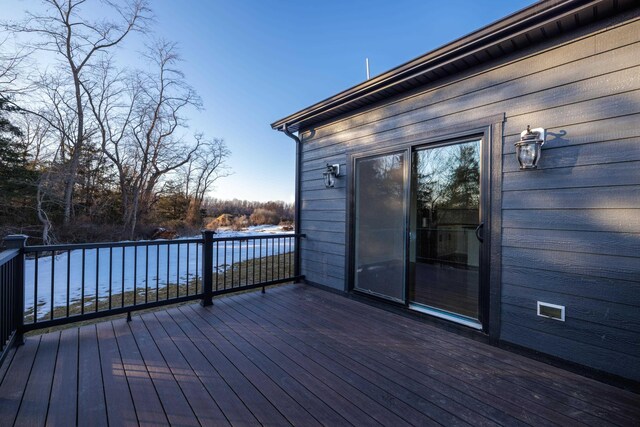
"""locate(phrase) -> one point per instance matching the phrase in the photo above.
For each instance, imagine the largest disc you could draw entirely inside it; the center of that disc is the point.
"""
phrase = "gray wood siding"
(570, 230)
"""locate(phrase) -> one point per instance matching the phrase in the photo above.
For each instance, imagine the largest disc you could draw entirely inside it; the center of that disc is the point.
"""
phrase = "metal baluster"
(178, 273)
(157, 272)
(233, 244)
(135, 275)
(217, 268)
(68, 278)
(122, 283)
(97, 276)
(188, 262)
(53, 280)
(146, 273)
(82, 283)
(246, 264)
(253, 263)
(110, 275)
(168, 286)
(35, 289)
(197, 261)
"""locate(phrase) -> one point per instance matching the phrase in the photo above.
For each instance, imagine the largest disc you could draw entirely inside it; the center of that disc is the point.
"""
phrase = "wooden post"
(207, 268)
(18, 241)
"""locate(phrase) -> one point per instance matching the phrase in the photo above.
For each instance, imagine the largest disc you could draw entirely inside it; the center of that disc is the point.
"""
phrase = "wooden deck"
(296, 355)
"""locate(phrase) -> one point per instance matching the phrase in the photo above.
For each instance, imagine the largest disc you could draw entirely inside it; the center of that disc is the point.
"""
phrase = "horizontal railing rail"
(68, 283)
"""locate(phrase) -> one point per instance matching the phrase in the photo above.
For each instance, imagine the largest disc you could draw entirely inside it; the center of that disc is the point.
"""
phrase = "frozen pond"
(124, 268)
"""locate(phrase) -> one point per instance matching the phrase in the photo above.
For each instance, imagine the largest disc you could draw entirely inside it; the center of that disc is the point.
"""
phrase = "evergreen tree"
(17, 178)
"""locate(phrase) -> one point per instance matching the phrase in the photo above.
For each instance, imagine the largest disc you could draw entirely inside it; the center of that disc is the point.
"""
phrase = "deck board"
(15, 381)
(62, 404)
(35, 401)
(92, 408)
(118, 398)
(293, 356)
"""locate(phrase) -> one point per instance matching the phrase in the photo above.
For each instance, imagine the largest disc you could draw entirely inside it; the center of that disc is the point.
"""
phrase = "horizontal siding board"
(322, 268)
(564, 348)
(315, 181)
(610, 339)
(577, 50)
(322, 215)
(593, 242)
(325, 236)
(324, 194)
(600, 153)
(320, 246)
(578, 285)
(309, 226)
(606, 220)
(321, 164)
(601, 175)
(326, 205)
(322, 279)
(623, 197)
(621, 317)
(613, 267)
(333, 260)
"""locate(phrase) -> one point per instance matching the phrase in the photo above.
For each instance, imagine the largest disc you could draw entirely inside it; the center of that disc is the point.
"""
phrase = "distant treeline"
(216, 207)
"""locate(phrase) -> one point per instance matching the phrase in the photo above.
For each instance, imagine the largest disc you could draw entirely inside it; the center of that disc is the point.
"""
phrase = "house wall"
(570, 230)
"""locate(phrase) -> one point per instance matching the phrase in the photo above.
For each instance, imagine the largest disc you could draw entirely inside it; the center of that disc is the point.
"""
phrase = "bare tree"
(78, 42)
(202, 171)
(140, 118)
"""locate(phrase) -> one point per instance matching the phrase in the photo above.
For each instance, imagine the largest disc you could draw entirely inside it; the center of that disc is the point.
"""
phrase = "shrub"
(263, 216)
(240, 223)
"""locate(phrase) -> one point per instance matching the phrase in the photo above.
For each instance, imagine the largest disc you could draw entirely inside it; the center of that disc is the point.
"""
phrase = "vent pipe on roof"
(366, 60)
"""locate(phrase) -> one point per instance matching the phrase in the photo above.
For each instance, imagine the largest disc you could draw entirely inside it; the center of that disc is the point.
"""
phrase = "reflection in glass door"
(380, 225)
(445, 222)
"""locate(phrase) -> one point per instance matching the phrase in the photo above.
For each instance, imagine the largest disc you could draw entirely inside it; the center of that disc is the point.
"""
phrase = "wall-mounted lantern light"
(528, 149)
(330, 175)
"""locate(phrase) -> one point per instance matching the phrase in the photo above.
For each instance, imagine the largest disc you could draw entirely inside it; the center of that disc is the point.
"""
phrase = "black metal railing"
(11, 274)
(60, 284)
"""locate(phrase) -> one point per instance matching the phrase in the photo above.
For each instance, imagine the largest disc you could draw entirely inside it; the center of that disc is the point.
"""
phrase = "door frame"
(406, 151)
(490, 131)
(483, 205)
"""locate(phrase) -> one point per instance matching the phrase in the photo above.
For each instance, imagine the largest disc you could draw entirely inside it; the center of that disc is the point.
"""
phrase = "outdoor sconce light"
(529, 147)
(330, 175)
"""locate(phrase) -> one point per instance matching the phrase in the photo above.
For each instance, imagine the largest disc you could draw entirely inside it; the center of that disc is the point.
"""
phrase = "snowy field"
(151, 266)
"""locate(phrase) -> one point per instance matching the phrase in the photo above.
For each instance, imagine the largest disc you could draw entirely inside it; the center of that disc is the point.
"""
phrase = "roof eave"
(507, 28)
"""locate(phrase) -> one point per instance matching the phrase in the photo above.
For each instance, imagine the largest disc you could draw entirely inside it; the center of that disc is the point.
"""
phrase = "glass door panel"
(445, 213)
(380, 225)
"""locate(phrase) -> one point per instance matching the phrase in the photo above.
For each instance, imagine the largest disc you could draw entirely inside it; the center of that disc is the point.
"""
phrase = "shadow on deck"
(296, 355)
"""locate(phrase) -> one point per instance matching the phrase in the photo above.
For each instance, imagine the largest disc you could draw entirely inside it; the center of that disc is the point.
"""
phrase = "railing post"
(18, 241)
(207, 267)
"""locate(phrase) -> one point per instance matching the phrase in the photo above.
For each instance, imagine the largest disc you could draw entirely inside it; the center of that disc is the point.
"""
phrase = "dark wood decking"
(296, 355)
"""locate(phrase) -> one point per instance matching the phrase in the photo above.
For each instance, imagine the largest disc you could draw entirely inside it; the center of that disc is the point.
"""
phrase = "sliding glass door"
(380, 213)
(445, 231)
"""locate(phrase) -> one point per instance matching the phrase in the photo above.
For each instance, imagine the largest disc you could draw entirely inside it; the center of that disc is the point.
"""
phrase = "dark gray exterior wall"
(570, 230)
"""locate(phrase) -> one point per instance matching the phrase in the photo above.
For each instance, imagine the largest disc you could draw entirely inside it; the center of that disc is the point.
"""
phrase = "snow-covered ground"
(140, 266)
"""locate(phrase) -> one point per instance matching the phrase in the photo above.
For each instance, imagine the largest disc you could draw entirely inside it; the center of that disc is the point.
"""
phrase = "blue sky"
(253, 62)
